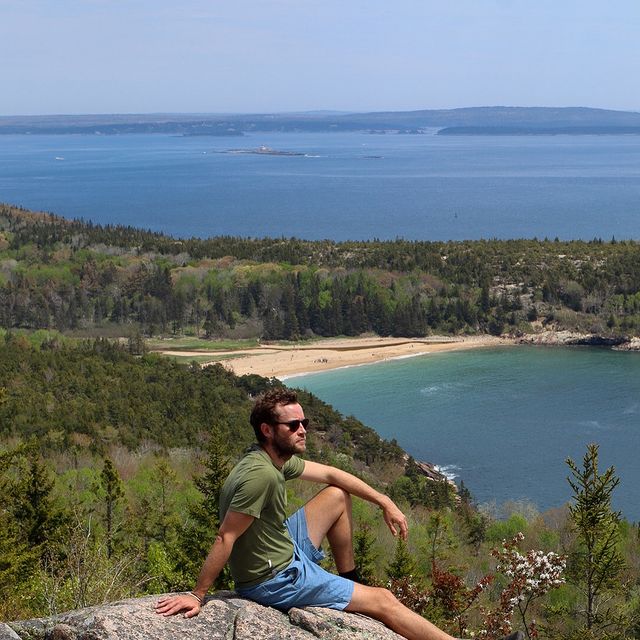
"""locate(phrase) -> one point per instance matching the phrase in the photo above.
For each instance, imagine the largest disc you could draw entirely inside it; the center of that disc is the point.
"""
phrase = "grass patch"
(197, 344)
(38, 337)
(202, 359)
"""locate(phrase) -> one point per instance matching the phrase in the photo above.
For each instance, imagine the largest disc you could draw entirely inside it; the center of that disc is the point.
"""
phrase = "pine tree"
(17, 558)
(402, 565)
(112, 487)
(210, 484)
(165, 477)
(365, 553)
(33, 507)
(198, 535)
(597, 562)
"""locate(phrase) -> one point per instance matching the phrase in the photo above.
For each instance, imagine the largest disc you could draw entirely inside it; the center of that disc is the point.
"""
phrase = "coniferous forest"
(72, 275)
(112, 458)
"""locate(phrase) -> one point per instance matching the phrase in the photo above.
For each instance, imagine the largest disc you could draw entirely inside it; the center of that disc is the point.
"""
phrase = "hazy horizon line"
(319, 112)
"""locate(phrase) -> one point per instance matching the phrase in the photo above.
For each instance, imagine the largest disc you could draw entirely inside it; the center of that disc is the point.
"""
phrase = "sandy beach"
(282, 361)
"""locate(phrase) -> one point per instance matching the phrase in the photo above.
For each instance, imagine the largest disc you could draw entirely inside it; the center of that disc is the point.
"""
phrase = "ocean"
(342, 186)
(503, 420)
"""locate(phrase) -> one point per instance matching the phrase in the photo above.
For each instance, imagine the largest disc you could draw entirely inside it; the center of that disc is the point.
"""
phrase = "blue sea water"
(344, 186)
(503, 420)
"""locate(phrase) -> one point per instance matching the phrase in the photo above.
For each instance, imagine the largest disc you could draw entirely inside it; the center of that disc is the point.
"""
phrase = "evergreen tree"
(211, 324)
(135, 343)
(217, 467)
(439, 539)
(33, 506)
(365, 553)
(165, 477)
(290, 327)
(112, 488)
(597, 561)
(17, 558)
(402, 565)
(198, 535)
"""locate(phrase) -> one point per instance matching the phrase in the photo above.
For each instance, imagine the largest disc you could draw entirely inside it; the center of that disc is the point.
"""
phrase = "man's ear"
(265, 429)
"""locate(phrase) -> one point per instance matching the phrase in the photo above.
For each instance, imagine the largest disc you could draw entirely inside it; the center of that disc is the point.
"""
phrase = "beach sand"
(282, 361)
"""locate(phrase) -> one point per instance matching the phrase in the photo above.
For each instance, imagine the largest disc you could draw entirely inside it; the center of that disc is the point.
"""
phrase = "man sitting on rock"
(274, 561)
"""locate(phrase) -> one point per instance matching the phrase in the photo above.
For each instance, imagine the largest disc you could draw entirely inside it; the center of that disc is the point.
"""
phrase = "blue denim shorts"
(303, 583)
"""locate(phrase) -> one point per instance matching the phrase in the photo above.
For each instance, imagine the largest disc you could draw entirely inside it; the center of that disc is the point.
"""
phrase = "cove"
(503, 420)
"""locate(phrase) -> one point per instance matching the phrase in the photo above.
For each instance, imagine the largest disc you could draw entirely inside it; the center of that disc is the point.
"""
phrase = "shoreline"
(352, 366)
(287, 361)
(283, 361)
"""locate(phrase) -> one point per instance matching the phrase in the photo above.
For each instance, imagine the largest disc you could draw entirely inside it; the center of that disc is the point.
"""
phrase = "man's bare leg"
(329, 515)
(382, 605)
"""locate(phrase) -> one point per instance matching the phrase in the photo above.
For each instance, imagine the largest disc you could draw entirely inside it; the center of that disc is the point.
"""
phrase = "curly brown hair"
(264, 407)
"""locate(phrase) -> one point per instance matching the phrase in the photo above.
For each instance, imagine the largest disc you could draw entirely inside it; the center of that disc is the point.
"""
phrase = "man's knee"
(376, 602)
(339, 495)
(386, 600)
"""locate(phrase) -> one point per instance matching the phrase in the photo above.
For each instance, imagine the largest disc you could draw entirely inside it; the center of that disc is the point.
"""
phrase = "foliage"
(96, 394)
(17, 558)
(531, 576)
(505, 529)
(84, 573)
(439, 539)
(112, 489)
(410, 592)
(449, 601)
(596, 561)
(365, 553)
(197, 537)
(32, 505)
(450, 598)
(78, 276)
(402, 564)
(80, 404)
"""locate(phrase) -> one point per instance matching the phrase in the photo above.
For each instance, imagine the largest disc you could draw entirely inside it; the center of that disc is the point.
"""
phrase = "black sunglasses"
(294, 425)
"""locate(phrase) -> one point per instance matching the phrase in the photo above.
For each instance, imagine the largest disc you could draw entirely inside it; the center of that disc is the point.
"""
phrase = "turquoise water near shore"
(504, 419)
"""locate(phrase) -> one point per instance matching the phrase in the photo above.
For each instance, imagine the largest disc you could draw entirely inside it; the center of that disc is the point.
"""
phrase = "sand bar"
(282, 361)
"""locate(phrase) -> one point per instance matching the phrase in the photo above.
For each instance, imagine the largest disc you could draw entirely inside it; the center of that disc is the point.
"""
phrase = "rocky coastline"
(573, 338)
(431, 472)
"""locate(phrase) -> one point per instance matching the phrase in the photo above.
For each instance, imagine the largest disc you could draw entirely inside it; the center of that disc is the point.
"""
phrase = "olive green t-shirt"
(256, 487)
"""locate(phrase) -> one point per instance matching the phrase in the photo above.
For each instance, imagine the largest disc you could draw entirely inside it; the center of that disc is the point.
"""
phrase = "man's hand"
(170, 605)
(232, 527)
(395, 519)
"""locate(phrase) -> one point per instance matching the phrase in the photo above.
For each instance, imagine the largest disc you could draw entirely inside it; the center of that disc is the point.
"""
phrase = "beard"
(286, 447)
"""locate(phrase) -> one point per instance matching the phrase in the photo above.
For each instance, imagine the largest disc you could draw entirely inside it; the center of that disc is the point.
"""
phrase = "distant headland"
(465, 121)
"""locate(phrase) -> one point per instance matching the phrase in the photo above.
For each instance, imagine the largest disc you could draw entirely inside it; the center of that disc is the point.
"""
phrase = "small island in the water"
(265, 151)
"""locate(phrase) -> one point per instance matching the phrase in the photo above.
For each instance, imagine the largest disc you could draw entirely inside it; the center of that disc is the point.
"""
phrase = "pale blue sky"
(139, 56)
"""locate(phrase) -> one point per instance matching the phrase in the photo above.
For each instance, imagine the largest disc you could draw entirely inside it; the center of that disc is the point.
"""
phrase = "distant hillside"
(539, 131)
(518, 119)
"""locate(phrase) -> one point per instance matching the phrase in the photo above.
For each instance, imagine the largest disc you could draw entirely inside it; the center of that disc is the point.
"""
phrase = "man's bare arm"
(232, 527)
(395, 519)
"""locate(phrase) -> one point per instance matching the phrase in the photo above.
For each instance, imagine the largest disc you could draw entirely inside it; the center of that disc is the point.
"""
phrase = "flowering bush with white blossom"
(531, 575)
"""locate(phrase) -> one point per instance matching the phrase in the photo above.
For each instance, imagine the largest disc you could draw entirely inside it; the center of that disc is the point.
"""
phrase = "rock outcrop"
(224, 617)
(632, 345)
(430, 471)
(572, 338)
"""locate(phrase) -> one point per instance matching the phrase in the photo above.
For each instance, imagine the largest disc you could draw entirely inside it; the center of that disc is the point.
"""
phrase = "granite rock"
(224, 617)
(572, 338)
